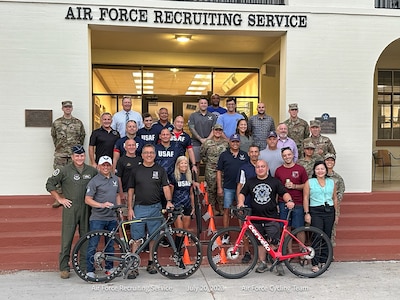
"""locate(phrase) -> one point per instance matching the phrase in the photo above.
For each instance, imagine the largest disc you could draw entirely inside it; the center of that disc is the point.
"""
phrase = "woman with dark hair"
(242, 129)
(320, 202)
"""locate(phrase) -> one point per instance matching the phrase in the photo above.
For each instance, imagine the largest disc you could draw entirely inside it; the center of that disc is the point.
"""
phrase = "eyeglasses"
(148, 152)
(293, 109)
(286, 148)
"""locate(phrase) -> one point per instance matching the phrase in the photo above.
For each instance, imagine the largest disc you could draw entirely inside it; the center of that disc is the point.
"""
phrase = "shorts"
(187, 209)
(196, 150)
(229, 196)
(296, 217)
(138, 229)
(271, 231)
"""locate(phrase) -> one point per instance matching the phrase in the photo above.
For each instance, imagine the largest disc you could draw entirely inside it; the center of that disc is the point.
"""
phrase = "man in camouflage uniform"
(210, 151)
(330, 160)
(66, 132)
(73, 179)
(323, 144)
(308, 160)
(298, 129)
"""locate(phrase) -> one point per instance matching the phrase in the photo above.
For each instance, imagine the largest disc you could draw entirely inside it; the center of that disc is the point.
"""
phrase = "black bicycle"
(113, 257)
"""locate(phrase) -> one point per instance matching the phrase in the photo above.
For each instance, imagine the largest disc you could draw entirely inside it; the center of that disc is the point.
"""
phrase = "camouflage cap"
(308, 145)
(217, 126)
(293, 106)
(66, 103)
(315, 123)
(78, 149)
(329, 155)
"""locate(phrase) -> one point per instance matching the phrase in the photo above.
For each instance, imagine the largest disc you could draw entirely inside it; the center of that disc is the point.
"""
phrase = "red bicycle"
(306, 251)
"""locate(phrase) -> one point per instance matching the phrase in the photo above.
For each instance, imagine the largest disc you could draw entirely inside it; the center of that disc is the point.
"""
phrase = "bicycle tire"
(230, 265)
(321, 252)
(101, 259)
(182, 263)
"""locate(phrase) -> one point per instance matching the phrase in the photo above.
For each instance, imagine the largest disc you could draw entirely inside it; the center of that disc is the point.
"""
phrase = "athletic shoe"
(225, 239)
(164, 243)
(279, 270)
(262, 267)
(64, 274)
(246, 258)
(151, 269)
(90, 274)
(109, 272)
(133, 274)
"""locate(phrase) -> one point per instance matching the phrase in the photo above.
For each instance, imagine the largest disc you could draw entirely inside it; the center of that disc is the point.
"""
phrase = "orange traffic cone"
(222, 254)
(186, 257)
(206, 198)
(210, 211)
(202, 187)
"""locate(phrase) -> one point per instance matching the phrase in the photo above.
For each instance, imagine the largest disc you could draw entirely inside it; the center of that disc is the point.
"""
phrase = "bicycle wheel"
(223, 261)
(320, 255)
(182, 263)
(96, 258)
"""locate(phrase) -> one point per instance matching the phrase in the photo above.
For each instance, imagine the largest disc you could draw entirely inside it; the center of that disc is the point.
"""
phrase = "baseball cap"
(309, 145)
(234, 137)
(329, 155)
(293, 106)
(66, 103)
(218, 126)
(272, 134)
(78, 149)
(315, 123)
(105, 159)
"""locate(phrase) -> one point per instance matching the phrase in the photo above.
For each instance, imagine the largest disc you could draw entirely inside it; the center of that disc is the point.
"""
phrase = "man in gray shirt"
(101, 194)
(260, 125)
(271, 154)
(200, 124)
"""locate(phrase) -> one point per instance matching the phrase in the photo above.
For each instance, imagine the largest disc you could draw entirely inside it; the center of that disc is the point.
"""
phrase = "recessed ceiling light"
(183, 38)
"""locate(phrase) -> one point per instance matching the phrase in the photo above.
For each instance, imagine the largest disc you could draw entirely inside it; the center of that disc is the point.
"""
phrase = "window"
(388, 105)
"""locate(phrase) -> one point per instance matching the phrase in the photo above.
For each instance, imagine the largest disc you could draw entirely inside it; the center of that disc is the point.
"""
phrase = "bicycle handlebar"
(242, 212)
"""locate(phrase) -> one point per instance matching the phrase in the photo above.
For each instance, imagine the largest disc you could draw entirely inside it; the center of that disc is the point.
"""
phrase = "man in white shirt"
(122, 117)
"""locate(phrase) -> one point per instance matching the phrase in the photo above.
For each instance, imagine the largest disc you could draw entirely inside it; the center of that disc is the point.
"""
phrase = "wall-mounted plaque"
(328, 124)
(38, 118)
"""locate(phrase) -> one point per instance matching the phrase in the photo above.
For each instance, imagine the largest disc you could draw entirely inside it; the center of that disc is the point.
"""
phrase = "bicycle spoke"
(231, 264)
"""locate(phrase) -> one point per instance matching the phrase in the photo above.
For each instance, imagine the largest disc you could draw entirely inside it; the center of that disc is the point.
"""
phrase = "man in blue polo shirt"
(228, 166)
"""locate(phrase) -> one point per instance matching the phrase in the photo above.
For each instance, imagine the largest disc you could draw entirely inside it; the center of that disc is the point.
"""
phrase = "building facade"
(333, 58)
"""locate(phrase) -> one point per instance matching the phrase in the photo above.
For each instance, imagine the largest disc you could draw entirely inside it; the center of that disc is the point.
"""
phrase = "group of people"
(148, 165)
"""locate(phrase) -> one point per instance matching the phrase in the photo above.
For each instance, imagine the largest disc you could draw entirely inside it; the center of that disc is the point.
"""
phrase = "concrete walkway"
(356, 280)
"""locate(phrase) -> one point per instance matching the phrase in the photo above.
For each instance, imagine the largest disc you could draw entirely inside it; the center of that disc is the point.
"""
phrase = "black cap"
(78, 149)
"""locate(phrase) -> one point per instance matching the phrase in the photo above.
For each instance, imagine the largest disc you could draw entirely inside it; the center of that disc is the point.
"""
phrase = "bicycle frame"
(123, 224)
(275, 254)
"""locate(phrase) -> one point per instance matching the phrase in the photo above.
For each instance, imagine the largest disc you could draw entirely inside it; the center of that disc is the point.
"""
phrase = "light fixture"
(174, 70)
(183, 38)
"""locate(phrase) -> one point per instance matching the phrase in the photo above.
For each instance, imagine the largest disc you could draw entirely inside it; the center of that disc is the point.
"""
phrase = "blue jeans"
(94, 241)
(229, 196)
(143, 211)
(296, 218)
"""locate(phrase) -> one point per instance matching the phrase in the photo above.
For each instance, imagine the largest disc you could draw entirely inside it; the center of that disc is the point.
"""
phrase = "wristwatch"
(306, 213)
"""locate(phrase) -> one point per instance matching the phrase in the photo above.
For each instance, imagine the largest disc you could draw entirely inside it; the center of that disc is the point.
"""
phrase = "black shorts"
(270, 231)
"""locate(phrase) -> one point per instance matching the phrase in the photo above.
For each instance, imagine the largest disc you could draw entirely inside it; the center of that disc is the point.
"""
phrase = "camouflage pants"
(213, 198)
(333, 236)
(61, 161)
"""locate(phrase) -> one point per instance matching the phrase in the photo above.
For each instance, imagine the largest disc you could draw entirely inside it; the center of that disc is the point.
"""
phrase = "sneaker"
(151, 269)
(109, 272)
(279, 270)
(246, 258)
(181, 265)
(225, 239)
(133, 274)
(262, 267)
(64, 274)
(90, 274)
(164, 243)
